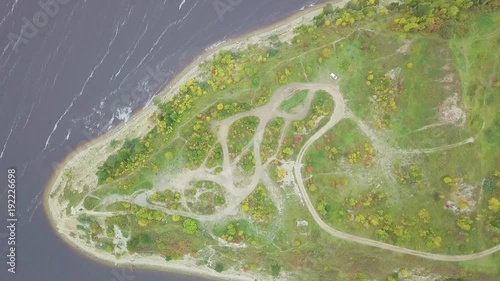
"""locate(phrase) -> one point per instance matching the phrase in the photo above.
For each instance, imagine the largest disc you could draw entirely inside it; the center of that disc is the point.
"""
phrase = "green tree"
(404, 272)
(169, 156)
(452, 11)
(219, 267)
(319, 20)
(424, 215)
(489, 183)
(422, 10)
(275, 269)
(493, 204)
(190, 226)
(328, 9)
(326, 53)
(448, 180)
(464, 223)
(231, 230)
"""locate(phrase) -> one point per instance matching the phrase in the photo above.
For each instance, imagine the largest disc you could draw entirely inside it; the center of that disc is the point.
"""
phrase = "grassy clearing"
(240, 133)
(294, 101)
(215, 157)
(270, 144)
(205, 197)
(259, 206)
(412, 211)
(240, 231)
(321, 108)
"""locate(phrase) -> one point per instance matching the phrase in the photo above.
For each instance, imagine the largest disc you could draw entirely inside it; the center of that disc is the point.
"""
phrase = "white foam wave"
(67, 135)
(9, 13)
(180, 6)
(215, 45)
(123, 113)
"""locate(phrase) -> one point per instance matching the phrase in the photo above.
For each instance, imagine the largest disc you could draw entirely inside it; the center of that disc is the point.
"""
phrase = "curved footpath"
(339, 113)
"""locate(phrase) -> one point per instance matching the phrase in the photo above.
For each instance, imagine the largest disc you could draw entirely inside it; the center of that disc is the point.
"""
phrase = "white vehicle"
(333, 76)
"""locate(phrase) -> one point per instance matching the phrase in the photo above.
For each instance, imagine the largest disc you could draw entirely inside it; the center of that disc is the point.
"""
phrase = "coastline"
(138, 124)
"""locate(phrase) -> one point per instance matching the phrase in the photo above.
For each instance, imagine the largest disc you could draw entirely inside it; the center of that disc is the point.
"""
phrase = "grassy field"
(413, 212)
(293, 102)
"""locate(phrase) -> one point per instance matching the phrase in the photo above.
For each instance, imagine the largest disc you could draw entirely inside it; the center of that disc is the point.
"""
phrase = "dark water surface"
(85, 69)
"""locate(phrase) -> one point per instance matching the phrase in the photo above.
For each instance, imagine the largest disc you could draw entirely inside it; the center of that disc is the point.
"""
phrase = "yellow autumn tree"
(493, 204)
(403, 272)
(326, 53)
(424, 215)
(464, 223)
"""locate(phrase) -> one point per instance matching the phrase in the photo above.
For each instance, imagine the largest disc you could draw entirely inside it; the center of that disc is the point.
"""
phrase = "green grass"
(269, 144)
(90, 203)
(294, 101)
(240, 134)
(204, 197)
(417, 106)
(419, 101)
(127, 186)
(488, 265)
(321, 108)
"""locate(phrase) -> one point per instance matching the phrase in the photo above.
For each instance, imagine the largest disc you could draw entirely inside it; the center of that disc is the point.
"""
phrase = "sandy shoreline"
(137, 125)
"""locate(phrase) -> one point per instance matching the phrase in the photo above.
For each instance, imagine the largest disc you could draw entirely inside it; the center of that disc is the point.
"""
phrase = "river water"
(78, 70)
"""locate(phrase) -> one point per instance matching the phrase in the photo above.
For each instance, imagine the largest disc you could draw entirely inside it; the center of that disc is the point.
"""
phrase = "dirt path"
(437, 149)
(237, 187)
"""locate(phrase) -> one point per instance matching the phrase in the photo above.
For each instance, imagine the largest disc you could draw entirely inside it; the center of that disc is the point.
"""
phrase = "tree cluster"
(259, 205)
(131, 155)
(168, 198)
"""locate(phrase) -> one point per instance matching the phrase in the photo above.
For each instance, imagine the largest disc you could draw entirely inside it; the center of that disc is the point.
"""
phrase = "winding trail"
(339, 113)
(439, 148)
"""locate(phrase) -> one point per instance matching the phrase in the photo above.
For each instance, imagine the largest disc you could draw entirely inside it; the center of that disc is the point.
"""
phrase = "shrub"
(190, 226)
(219, 267)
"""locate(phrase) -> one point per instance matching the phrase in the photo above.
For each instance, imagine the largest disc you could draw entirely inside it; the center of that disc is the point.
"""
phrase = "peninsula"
(354, 141)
